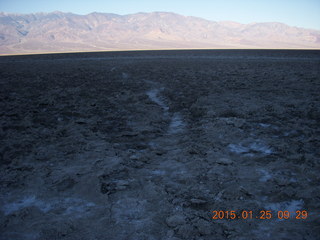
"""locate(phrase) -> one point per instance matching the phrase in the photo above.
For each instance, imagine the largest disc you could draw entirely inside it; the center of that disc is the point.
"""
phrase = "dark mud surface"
(145, 145)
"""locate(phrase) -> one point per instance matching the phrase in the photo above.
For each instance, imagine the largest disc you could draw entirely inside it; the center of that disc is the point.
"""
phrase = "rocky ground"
(146, 145)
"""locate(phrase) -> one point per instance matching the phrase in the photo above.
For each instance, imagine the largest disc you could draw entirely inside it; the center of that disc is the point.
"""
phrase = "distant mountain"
(63, 32)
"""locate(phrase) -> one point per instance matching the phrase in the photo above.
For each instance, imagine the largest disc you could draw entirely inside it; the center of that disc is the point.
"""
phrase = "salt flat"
(146, 144)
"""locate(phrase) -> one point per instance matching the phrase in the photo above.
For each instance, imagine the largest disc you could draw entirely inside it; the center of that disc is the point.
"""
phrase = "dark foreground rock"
(147, 145)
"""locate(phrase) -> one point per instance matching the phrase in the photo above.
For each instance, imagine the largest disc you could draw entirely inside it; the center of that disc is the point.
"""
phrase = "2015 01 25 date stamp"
(262, 215)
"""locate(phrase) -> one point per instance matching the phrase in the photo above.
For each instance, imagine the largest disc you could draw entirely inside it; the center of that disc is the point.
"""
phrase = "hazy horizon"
(294, 13)
(100, 12)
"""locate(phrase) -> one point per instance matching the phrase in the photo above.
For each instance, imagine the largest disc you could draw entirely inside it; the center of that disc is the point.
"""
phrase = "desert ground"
(148, 144)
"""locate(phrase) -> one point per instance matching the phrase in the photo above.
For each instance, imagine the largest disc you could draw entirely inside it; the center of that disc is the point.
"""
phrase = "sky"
(300, 13)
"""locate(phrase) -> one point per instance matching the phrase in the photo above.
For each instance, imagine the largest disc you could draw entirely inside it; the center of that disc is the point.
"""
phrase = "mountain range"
(68, 32)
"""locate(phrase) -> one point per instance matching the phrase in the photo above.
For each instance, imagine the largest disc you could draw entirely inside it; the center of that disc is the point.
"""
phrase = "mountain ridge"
(67, 32)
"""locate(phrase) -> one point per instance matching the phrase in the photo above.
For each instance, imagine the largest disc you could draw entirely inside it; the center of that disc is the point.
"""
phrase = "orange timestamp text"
(262, 214)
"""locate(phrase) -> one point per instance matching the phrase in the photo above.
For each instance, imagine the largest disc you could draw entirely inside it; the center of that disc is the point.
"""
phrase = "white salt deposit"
(176, 124)
(69, 205)
(259, 147)
(291, 206)
(236, 148)
(125, 75)
(264, 125)
(250, 149)
(76, 205)
(153, 95)
(265, 175)
(24, 203)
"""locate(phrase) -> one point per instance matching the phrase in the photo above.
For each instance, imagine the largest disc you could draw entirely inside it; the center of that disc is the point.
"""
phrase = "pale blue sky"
(301, 13)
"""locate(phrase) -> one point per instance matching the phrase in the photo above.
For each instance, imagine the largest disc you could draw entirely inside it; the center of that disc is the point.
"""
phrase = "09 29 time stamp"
(260, 215)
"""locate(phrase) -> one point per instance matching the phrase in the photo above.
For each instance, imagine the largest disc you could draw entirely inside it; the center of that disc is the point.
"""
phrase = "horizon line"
(250, 23)
(166, 49)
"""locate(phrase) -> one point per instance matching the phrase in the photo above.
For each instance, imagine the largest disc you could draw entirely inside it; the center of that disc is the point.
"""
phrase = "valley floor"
(146, 145)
